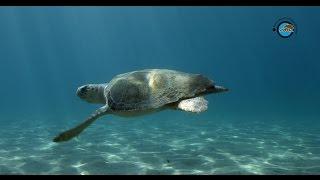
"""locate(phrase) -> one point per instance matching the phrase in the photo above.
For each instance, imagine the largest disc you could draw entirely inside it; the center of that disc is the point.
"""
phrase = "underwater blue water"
(268, 123)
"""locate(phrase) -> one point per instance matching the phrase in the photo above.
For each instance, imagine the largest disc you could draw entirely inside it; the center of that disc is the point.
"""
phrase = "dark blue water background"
(46, 53)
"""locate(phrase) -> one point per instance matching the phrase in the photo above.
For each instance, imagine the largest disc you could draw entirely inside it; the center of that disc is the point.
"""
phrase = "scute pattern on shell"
(150, 89)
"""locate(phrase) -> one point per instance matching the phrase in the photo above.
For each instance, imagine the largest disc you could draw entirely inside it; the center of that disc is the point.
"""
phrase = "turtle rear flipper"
(71, 133)
(195, 105)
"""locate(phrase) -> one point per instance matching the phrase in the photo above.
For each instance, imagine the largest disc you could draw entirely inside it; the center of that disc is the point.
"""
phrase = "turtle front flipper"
(71, 133)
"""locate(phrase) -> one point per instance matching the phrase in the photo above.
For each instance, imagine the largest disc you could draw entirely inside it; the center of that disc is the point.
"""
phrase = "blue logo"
(285, 27)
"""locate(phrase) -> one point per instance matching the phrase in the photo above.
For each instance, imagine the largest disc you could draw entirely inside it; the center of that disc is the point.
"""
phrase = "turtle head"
(92, 93)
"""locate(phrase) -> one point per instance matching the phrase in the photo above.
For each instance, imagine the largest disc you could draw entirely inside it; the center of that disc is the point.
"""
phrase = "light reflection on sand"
(156, 147)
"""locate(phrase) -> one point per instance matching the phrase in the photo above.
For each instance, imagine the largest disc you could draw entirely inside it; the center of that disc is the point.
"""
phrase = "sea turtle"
(145, 91)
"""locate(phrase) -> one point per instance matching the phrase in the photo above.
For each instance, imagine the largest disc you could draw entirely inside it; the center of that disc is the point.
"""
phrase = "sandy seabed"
(155, 146)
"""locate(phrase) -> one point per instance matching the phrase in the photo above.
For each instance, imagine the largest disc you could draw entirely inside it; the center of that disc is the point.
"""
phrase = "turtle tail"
(71, 133)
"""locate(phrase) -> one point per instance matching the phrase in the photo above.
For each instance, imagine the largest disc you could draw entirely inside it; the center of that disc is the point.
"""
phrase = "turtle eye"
(84, 89)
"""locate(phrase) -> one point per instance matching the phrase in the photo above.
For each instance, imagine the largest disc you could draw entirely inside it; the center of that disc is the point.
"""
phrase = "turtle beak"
(218, 89)
(81, 91)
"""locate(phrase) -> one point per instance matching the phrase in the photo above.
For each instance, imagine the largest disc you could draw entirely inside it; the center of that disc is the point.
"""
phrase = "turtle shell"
(151, 88)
